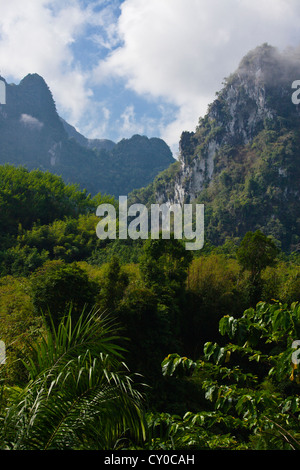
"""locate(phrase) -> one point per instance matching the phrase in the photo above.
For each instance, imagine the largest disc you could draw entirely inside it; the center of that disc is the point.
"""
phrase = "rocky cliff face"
(257, 96)
(243, 159)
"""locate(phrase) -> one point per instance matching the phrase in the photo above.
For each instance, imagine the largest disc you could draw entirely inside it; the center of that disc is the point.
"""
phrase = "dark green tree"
(251, 383)
(164, 267)
(113, 286)
(57, 286)
(254, 254)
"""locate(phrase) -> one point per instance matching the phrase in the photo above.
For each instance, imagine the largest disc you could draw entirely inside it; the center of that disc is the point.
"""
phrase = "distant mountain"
(32, 134)
(95, 144)
(243, 160)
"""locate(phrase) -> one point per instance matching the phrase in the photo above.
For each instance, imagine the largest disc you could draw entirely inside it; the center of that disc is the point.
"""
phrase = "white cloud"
(107, 35)
(96, 122)
(36, 37)
(31, 122)
(130, 124)
(174, 53)
(181, 50)
(128, 120)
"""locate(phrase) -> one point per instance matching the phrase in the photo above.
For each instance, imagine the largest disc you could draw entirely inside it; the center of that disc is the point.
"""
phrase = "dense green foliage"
(251, 384)
(167, 304)
(255, 187)
(28, 197)
(142, 344)
(242, 160)
(57, 286)
(79, 394)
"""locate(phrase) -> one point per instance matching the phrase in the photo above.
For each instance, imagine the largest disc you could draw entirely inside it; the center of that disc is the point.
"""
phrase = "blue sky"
(121, 67)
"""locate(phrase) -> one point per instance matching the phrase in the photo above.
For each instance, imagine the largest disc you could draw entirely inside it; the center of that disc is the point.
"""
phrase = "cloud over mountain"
(162, 60)
(31, 122)
(181, 51)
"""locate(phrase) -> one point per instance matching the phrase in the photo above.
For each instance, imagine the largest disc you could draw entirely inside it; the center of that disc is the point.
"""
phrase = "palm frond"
(80, 392)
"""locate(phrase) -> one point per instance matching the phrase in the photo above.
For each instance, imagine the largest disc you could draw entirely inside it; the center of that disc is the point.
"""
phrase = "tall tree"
(254, 254)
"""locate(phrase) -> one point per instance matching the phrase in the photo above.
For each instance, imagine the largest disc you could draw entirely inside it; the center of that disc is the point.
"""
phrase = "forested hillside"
(207, 337)
(142, 344)
(242, 161)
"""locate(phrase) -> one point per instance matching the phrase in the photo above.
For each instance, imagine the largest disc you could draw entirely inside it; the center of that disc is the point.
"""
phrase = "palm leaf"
(80, 393)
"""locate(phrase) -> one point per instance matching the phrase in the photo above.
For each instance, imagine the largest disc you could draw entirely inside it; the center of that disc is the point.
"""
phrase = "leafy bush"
(79, 394)
(57, 285)
(252, 382)
(30, 196)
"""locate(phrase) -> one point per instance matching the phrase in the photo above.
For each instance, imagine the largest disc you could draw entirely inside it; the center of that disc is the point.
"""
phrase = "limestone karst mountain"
(243, 159)
(33, 135)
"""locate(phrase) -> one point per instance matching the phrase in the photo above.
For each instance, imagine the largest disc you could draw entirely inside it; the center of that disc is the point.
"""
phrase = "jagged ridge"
(33, 135)
(242, 161)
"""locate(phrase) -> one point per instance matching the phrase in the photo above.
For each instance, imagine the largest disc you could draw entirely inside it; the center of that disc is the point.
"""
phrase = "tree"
(164, 269)
(213, 289)
(30, 196)
(251, 383)
(58, 285)
(164, 264)
(18, 325)
(113, 286)
(254, 254)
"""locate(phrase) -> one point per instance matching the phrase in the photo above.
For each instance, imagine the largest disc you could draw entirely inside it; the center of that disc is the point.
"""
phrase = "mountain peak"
(35, 85)
(37, 97)
(242, 160)
(269, 65)
(259, 59)
(33, 78)
(259, 90)
(33, 134)
(256, 95)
